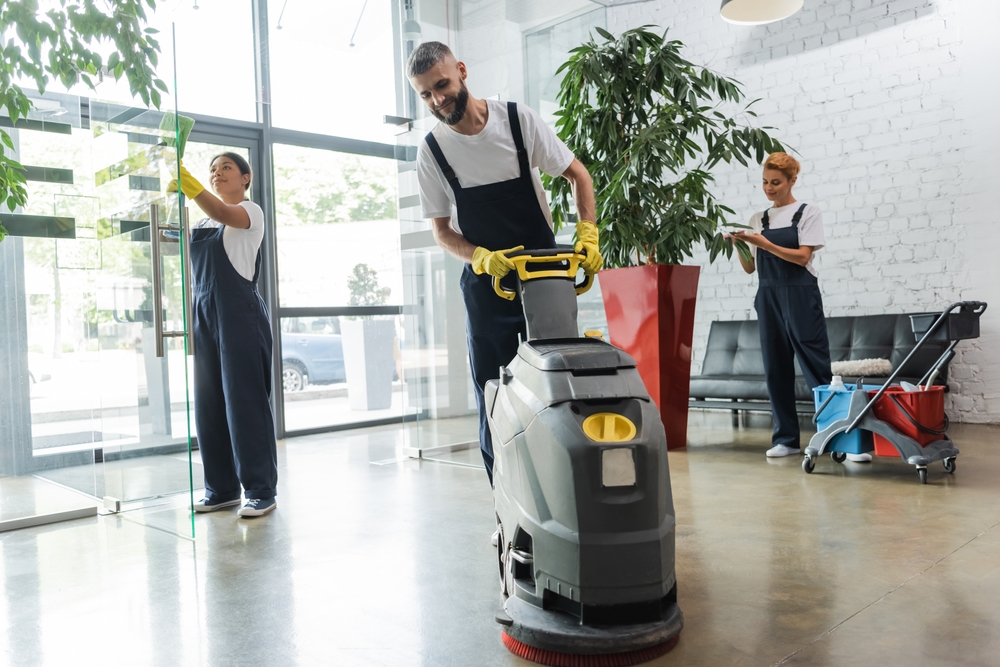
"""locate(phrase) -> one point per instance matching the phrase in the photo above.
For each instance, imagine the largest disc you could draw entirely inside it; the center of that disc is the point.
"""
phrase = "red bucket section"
(923, 407)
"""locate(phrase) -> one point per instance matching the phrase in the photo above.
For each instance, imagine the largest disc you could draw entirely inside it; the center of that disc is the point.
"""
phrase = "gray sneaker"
(257, 507)
(206, 505)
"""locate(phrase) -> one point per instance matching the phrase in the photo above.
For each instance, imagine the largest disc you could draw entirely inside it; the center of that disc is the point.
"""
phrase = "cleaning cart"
(897, 418)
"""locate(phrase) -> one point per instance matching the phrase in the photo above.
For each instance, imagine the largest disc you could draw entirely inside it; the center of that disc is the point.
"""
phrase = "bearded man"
(479, 184)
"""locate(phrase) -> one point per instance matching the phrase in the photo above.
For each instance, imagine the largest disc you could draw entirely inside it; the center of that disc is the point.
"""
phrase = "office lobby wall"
(891, 108)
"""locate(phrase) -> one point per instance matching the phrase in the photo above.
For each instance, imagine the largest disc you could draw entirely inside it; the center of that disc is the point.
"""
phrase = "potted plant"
(368, 345)
(650, 126)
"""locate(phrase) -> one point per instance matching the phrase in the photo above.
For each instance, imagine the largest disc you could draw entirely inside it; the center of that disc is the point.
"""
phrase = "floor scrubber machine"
(585, 536)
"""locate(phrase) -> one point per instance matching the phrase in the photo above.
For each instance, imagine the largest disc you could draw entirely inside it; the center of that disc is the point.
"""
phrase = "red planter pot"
(650, 311)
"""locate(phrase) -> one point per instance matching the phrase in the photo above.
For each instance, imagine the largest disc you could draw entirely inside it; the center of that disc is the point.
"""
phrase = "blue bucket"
(857, 441)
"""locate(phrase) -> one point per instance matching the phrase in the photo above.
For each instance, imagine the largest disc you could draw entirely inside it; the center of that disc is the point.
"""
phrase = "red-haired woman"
(789, 306)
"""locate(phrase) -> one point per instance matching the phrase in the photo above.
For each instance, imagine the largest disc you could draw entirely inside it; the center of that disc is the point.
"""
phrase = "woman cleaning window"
(232, 342)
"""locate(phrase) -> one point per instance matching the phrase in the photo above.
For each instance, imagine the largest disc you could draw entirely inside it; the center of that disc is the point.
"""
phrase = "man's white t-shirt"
(488, 157)
(810, 226)
(242, 244)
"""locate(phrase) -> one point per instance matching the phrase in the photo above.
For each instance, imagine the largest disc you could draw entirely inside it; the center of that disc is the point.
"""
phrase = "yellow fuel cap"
(609, 427)
(593, 333)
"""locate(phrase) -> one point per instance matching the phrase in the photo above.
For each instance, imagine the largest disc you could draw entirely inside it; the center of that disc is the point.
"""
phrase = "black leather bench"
(732, 375)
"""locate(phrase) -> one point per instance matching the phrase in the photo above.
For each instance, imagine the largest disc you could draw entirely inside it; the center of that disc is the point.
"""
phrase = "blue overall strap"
(795, 218)
(798, 216)
(446, 169)
(515, 130)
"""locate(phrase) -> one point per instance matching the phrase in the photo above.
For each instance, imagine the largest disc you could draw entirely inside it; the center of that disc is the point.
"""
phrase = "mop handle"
(927, 334)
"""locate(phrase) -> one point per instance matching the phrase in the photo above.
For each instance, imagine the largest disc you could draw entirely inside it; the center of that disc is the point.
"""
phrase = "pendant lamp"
(757, 12)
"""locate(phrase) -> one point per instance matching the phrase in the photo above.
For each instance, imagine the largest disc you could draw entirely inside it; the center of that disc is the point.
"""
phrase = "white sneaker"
(257, 507)
(206, 505)
(860, 458)
(782, 450)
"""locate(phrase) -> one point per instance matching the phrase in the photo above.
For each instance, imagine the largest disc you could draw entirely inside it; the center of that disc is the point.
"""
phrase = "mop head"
(544, 657)
(878, 368)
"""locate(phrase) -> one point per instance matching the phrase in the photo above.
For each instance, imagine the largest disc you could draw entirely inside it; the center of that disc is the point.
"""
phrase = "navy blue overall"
(790, 314)
(495, 216)
(232, 375)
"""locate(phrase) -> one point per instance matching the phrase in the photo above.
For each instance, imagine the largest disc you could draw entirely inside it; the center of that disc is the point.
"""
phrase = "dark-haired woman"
(232, 342)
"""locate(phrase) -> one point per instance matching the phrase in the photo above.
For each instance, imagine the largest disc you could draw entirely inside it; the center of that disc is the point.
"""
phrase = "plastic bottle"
(837, 383)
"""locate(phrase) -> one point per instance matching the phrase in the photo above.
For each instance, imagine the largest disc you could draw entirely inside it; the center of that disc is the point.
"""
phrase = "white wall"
(893, 109)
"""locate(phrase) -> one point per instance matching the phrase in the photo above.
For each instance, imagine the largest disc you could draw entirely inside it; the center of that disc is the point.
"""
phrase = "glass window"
(216, 70)
(332, 68)
(345, 370)
(337, 231)
(546, 50)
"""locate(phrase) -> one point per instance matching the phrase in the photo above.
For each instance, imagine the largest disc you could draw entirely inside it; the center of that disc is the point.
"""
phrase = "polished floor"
(371, 560)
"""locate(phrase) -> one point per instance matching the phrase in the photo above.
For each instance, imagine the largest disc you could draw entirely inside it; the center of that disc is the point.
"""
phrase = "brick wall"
(888, 105)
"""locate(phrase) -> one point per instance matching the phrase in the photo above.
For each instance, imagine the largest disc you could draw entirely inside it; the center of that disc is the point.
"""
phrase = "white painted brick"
(871, 95)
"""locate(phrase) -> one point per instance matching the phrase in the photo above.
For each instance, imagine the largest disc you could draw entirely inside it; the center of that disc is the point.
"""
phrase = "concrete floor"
(370, 561)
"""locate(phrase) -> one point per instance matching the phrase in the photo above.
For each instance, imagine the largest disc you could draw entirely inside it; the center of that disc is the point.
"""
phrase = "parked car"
(311, 358)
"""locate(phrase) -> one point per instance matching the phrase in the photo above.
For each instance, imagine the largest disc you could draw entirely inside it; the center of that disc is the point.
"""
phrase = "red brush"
(556, 659)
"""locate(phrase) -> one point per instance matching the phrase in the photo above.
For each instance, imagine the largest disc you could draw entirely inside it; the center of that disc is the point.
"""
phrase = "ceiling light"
(757, 12)
(411, 30)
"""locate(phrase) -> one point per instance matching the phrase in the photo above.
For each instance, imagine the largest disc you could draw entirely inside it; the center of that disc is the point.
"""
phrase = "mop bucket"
(915, 414)
(833, 403)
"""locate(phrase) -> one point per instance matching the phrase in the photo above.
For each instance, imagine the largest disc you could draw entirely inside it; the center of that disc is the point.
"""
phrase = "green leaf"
(604, 33)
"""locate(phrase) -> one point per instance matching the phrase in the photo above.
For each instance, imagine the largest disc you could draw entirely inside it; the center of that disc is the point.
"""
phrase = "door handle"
(188, 282)
(156, 231)
(154, 257)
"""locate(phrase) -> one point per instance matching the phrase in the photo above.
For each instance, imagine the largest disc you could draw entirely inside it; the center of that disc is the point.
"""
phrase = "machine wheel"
(808, 464)
(838, 457)
(293, 376)
(923, 475)
(949, 465)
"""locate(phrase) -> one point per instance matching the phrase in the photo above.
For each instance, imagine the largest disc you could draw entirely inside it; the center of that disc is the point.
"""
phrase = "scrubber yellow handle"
(522, 264)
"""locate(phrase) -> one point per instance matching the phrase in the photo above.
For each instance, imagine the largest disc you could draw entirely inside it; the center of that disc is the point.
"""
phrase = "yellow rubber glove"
(189, 184)
(493, 262)
(587, 239)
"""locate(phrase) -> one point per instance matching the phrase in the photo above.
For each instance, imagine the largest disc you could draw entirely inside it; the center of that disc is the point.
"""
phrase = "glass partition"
(106, 415)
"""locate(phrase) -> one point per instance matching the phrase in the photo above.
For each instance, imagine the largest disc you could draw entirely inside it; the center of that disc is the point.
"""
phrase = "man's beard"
(456, 115)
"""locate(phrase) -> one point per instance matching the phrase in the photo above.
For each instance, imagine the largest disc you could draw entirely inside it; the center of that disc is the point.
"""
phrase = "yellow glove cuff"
(493, 262)
(586, 231)
(478, 259)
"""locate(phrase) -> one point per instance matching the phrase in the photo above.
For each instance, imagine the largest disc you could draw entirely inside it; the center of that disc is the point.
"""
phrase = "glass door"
(143, 305)
(99, 415)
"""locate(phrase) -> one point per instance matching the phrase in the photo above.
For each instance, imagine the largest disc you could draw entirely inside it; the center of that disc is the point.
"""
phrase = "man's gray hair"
(426, 56)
